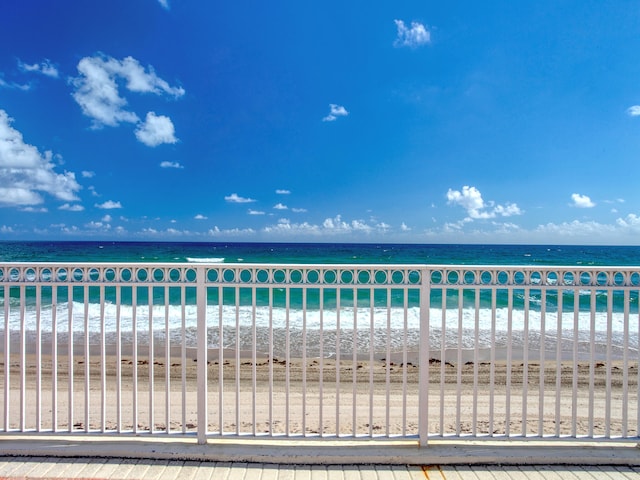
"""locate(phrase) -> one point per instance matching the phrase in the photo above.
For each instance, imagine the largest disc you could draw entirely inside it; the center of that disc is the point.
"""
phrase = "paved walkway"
(92, 468)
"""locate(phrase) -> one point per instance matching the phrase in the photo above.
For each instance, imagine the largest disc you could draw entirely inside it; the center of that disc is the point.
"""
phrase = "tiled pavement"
(96, 468)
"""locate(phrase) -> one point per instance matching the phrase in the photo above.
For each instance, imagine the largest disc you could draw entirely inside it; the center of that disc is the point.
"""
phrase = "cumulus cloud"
(581, 201)
(71, 208)
(200, 217)
(283, 192)
(45, 68)
(412, 37)
(235, 198)
(87, 174)
(331, 226)
(255, 212)
(170, 165)
(471, 200)
(335, 111)
(25, 173)
(156, 130)
(108, 205)
(634, 110)
(280, 206)
(97, 92)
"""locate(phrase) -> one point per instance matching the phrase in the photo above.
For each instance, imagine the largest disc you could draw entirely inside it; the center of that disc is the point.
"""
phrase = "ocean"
(325, 253)
(499, 329)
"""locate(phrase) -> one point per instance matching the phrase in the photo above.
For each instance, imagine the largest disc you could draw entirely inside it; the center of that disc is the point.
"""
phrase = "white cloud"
(335, 111)
(87, 174)
(235, 198)
(108, 205)
(5, 84)
(166, 164)
(255, 212)
(25, 172)
(581, 201)
(45, 68)
(299, 210)
(330, 227)
(71, 208)
(164, 4)
(107, 218)
(412, 37)
(98, 94)
(280, 206)
(634, 110)
(471, 200)
(404, 227)
(200, 217)
(156, 130)
(283, 192)
(34, 210)
(232, 232)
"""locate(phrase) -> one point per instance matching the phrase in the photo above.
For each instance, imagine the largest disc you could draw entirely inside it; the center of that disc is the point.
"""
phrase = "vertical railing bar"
(271, 361)
(70, 356)
(38, 358)
(321, 367)
(54, 357)
(304, 361)
(221, 357)
(118, 359)
(424, 357)
(337, 422)
(237, 358)
(525, 360)
(625, 366)
(638, 373)
(543, 350)
(202, 354)
(354, 361)
(476, 360)
(592, 361)
(103, 363)
(287, 355)
(183, 334)
(23, 358)
(492, 367)
(388, 361)
(459, 357)
(371, 353)
(559, 354)
(574, 394)
(254, 359)
(7, 357)
(510, 295)
(151, 355)
(167, 362)
(443, 354)
(405, 359)
(609, 364)
(134, 333)
(87, 361)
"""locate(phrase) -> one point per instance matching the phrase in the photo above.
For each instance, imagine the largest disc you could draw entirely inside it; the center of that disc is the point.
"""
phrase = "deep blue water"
(319, 253)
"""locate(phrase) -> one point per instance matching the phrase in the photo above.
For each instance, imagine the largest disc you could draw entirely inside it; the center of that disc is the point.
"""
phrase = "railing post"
(201, 309)
(423, 394)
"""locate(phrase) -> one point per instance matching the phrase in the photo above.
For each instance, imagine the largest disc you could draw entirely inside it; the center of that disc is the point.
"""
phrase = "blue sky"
(413, 121)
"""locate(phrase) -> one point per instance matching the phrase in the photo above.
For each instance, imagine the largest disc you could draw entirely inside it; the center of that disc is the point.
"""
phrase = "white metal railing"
(321, 350)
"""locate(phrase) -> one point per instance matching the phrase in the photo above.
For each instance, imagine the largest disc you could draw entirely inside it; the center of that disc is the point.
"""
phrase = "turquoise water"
(325, 253)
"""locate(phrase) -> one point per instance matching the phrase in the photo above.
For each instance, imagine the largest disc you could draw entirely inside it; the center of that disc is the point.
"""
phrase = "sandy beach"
(323, 398)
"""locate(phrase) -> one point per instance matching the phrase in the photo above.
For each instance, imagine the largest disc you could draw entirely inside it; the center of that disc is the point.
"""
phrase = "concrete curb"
(323, 451)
